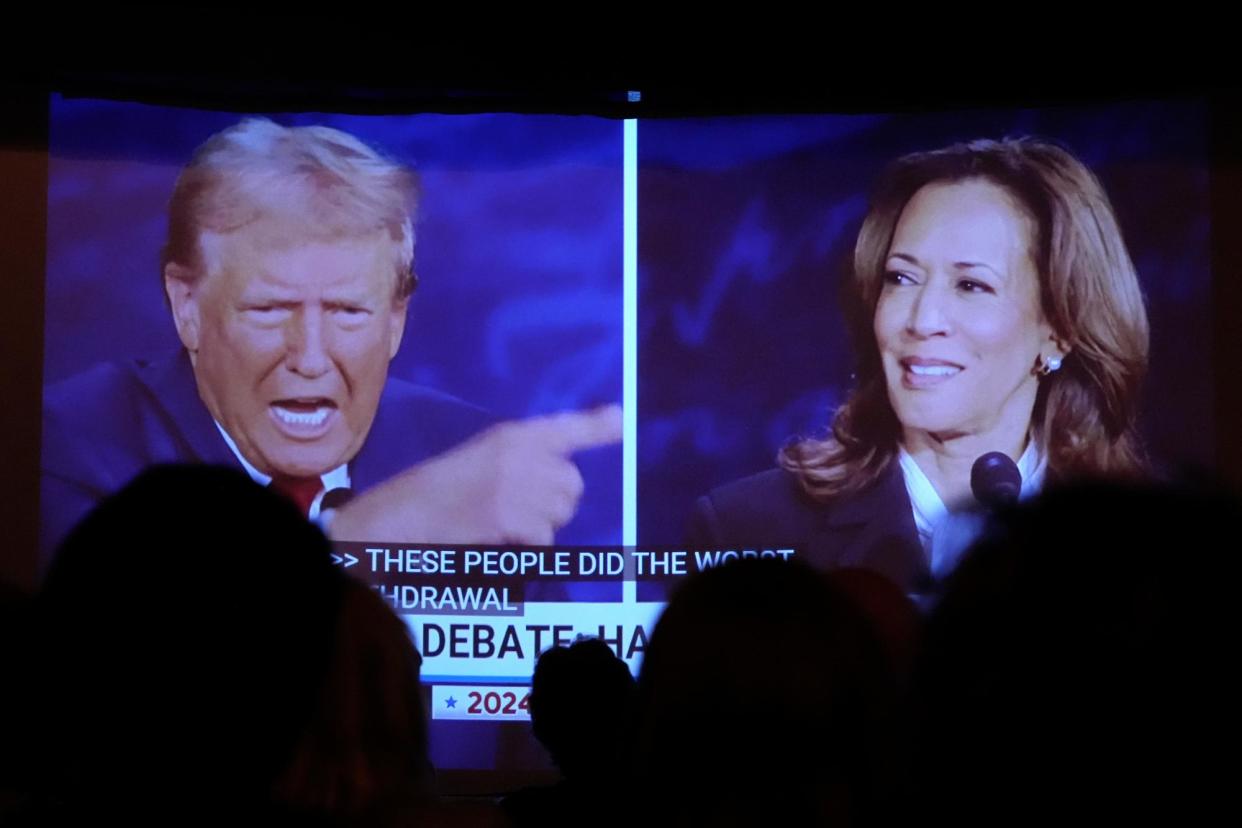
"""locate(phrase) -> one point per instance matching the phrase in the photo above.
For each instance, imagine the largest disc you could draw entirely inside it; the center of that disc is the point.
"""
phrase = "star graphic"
(450, 701)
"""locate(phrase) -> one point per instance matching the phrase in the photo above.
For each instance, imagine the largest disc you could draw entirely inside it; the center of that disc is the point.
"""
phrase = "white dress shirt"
(945, 535)
(337, 478)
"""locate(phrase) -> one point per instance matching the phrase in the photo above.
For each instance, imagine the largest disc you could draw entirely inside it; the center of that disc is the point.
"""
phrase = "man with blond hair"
(288, 271)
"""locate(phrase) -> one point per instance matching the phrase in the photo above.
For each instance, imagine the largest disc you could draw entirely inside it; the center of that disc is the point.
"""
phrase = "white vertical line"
(629, 392)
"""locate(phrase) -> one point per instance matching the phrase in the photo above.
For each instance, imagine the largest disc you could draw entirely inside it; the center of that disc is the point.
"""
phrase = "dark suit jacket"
(872, 529)
(103, 427)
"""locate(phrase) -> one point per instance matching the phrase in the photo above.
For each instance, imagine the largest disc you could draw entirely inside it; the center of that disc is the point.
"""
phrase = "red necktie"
(301, 490)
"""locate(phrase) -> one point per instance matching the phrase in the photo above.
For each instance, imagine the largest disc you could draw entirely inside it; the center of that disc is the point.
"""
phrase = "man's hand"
(513, 483)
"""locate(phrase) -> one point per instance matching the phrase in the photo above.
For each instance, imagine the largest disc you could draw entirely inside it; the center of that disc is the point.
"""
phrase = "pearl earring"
(1049, 365)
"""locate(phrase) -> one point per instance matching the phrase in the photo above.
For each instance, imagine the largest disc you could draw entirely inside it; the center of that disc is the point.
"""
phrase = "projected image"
(414, 328)
(409, 326)
(831, 337)
(296, 351)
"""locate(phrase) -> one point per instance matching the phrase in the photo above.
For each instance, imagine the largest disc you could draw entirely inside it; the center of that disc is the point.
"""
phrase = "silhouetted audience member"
(894, 617)
(182, 638)
(15, 734)
(198, 659)
(363, 756)
(582, 711)
(1080, 665)
(764, 699)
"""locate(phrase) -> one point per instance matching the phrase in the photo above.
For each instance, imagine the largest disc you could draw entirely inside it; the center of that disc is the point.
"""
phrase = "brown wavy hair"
(1085, 413)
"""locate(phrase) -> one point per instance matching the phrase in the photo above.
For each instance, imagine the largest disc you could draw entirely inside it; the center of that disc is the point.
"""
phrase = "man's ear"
(399, 310)
(183, 297)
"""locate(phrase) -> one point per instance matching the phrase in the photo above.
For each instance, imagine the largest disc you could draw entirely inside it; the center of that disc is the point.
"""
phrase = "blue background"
(518, 253)
(747, 226)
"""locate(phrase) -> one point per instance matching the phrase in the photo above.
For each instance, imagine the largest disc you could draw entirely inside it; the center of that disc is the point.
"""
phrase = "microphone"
(995, 480)
(335, 498)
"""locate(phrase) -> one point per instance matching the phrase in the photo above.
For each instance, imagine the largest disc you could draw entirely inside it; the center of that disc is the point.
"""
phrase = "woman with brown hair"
(993, 307)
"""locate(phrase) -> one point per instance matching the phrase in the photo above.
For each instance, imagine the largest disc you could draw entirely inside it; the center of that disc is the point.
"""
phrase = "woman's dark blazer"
(870, 529)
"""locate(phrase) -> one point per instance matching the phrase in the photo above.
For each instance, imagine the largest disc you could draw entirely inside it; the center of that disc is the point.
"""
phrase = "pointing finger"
(573, 431)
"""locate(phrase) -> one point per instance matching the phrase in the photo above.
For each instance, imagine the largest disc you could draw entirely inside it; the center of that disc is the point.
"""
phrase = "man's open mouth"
(303, 416)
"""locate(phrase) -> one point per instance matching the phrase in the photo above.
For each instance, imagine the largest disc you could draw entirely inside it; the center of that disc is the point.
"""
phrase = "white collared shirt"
(943, 534)
(337, 478)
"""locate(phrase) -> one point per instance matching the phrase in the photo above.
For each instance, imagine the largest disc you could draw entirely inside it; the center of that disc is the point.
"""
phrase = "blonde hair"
(324, 183)
(1085, 413)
